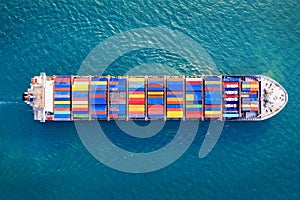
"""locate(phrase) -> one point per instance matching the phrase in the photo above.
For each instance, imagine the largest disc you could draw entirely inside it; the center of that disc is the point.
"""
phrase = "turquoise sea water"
(256, 160)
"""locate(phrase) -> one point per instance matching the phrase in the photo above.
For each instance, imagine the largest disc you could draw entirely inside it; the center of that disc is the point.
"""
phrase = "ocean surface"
(255, 160)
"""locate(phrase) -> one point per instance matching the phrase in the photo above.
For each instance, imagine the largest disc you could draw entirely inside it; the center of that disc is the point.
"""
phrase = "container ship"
(234, 98)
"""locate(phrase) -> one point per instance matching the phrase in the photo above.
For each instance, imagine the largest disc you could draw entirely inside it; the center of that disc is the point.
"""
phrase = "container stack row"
(136, 90)
(230, 97)
(117, 98)
(193, 98)
(62, 98)
(155, 98)
(98, 98)
(80, 98)
(250, 100)
(213, 97)
(174, 98)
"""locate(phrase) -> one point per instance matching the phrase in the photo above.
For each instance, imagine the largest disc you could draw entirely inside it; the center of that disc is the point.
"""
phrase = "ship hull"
(232, 98)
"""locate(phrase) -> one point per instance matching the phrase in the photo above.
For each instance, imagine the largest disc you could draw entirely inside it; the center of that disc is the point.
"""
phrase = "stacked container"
(174, 98)
(80, 98)
(193, 98)
(98, 98)
(62, 98)
(136, 107)
(250, 96)
(230, 97)
(117, 98)
(155, 98)
(213, 97)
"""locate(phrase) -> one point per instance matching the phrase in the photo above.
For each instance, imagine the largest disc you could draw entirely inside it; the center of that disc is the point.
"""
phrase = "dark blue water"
(256, 160)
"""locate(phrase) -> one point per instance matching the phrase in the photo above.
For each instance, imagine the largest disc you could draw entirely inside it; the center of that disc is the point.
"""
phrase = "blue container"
(98, 79)
(174, 95)
(136, 89)
(61, 105)
(81, 112)
(97, 92)
(155, 82)
(212, 86)
(98, 116)
(61, 98)
(62, 116)
(155, 101)
(231, 79)
(98, 87)
(61, 93)
(98, 107)
(174, 105)
(56, 85)
(194, 87)
(246, 89)
(193, 109)
(155, 116)
(98, 101)
(63, 76)
(212, 79)
(113, 112)
(231, 89)
(155, 89)
(213, 109)
(77, 94)
(216, 101)
(229, 109)
(136, 116)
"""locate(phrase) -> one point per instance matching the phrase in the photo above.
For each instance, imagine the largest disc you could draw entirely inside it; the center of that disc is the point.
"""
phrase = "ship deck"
(236, 98)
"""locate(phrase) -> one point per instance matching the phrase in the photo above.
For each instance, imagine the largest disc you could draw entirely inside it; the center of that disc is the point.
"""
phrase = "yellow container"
(189, 96)
(136, 107)
(98, 83)
(245, 85)
(213, 82)
(254, 86)
(80, 87)
(136, 95)
(213, 112)
(79, 106)
(174, 99)
(155, 93)
(174, 114)
(246, 105)
(137, 79)
(61, 102)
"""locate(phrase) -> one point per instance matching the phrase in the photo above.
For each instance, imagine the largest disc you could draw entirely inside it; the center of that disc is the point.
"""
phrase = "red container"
(98, 95)
(174, 102)
(213, 89)
(230, 95)
(155, 85)
(212, 105)
(137, 101)
(80, 99)
(61, 109)
(194, 82)
(174, 109)
(211, 116)
(80, 80)
(80, 109)
(136, 112)
(113, 115)
(62, 80)
(137, 92)
(62, 89)
(98, 112)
